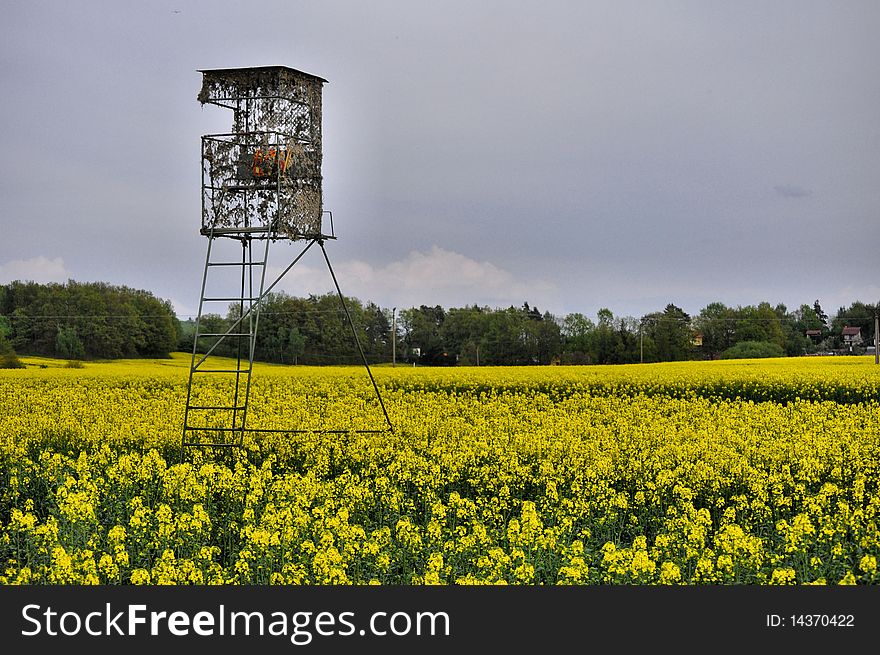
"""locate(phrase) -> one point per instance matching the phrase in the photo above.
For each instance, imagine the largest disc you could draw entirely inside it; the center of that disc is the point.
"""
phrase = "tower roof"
(237, 72)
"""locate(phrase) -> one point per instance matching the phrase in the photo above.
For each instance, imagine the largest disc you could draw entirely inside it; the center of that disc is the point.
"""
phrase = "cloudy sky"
(573, 155)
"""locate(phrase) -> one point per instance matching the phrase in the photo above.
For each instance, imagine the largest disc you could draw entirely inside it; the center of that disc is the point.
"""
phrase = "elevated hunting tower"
(265, 175)
(261, 182)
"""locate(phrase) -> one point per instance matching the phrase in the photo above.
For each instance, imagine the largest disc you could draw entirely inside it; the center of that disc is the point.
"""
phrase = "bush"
(10, 361)
(8, 358)
(753, 350)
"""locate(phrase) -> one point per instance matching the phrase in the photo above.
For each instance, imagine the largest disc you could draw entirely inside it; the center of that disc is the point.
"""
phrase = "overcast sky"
(572, 155)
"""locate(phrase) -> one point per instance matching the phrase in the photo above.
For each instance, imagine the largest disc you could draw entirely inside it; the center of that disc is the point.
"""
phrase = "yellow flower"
(140, 576)
(784, 576)
(679, 473)
(670, 573)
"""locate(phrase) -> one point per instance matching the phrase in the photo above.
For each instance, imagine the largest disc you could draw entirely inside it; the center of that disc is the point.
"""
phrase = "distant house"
(697, 339)
(814, 335)
(852, 336)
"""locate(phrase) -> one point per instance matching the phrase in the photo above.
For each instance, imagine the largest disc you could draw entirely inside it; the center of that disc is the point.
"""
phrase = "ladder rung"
(229, 299)
(220, 370)
(223, 334)
(218, 407)
(236, 263)
(203, 429)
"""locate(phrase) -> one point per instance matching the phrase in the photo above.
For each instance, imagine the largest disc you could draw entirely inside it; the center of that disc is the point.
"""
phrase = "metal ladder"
(210, 421)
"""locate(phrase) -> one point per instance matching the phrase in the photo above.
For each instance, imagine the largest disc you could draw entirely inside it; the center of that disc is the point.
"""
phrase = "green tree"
(670, 333)
(377, 331)
(186, 332)
(759, 323)
(463, 334)
(421, 331)
(156, 324)
(628, 350)
(505, 333)
(68, 344)
(603, 346)
(576, 330)
(822, 316)
(296, 344)
(547, 337)
(717, 324)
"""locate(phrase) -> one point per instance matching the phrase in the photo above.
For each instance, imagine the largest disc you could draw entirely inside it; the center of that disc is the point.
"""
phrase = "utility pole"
(876, 338)
(393, 337)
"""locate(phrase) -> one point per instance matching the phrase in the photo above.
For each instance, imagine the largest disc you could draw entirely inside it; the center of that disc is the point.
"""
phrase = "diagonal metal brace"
(255, 304)
(356, 339)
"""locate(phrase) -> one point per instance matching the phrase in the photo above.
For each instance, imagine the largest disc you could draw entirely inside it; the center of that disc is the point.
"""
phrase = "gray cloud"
(35, 269)
(614, 151)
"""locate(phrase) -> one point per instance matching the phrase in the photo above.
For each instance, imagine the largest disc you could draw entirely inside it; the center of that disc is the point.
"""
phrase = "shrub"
(753, 350)
(8, 358)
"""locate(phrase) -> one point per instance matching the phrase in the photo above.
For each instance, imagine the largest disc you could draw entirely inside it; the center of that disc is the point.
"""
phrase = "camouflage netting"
(267, 171)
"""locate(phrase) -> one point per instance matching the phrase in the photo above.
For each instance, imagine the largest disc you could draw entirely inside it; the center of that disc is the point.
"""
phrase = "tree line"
(314, 330)
(100, 321)
(524, 335)
(84, 321)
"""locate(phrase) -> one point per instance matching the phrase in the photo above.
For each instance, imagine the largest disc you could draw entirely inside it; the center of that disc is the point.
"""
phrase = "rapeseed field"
(731, 472)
